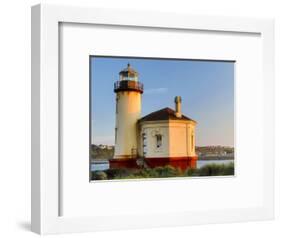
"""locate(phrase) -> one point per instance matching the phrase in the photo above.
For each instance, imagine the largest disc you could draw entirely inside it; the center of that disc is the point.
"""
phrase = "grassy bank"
(164, 172)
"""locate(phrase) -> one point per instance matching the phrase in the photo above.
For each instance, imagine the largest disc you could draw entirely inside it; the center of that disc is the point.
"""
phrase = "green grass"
(212, 170)
(164, 172)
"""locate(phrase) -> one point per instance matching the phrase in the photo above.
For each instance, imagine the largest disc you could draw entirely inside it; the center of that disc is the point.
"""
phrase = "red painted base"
(182, 163)
(123, 163)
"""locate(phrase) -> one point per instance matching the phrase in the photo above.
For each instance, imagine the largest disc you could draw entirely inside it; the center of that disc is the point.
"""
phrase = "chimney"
(178, 106)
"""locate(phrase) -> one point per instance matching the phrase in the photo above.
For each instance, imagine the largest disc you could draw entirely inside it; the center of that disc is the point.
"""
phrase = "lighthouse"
(128, 92)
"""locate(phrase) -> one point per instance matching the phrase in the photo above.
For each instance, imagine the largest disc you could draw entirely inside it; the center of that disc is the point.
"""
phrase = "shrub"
(211, 170)
(99, 175)
(167, 171)
(192, 172)
(229, 169)
(118, 173)
(216, 169)
(147, 173)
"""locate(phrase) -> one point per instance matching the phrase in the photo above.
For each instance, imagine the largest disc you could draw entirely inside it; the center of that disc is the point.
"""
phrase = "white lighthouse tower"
(128, 111)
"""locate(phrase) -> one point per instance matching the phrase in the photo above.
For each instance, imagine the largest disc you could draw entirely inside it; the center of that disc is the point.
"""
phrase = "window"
(116, 109)
(144, 144)
(158, 141)
(192, 142)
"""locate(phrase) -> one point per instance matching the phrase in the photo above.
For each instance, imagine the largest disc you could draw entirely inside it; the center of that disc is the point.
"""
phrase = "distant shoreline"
(102, 161)
(216, 158)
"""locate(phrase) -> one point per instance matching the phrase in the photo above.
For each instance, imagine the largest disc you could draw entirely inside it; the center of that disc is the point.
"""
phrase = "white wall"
(176, 139)
(127, 115)
(15, 114)
(151, 129)
(180, 139)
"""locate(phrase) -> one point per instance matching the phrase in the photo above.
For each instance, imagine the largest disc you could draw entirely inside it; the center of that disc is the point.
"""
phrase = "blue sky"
(206, 88)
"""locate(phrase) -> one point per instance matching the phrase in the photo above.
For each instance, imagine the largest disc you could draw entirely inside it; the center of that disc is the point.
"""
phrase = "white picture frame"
(47, 197)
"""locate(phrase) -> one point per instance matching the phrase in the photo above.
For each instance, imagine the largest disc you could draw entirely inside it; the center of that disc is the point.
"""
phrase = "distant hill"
(214, 150)
(101, 152)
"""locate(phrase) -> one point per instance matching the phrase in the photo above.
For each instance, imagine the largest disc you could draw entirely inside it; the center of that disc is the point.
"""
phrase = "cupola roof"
(129, 72)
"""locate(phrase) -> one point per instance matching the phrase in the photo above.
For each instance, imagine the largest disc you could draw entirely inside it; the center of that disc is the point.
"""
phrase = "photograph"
(154, 118)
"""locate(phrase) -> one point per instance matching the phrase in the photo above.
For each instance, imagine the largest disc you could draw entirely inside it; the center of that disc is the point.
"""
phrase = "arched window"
(158, 140)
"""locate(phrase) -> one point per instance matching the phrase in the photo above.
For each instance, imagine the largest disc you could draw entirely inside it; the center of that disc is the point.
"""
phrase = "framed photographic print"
(162, 120)
(127, 143)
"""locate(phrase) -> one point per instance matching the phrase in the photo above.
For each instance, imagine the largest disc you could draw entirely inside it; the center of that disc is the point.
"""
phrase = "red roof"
(163, 115)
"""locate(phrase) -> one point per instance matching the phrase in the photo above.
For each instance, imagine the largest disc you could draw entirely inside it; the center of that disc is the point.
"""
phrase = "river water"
(105, 165)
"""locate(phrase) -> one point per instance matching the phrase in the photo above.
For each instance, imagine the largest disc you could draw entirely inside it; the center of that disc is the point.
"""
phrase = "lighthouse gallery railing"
(128, 85)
